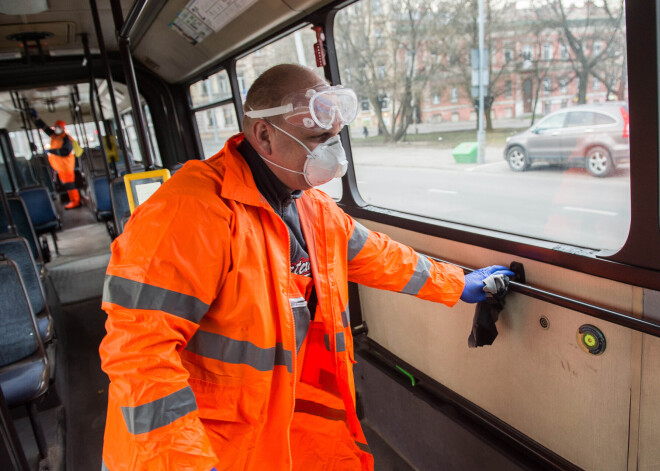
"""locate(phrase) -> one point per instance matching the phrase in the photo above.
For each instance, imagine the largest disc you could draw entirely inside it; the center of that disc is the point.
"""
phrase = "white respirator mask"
(58, 130)
(325, 162)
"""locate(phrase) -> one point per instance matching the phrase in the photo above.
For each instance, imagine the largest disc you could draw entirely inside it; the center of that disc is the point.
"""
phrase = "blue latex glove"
(473, 291)
(33, 113)
(213, 469)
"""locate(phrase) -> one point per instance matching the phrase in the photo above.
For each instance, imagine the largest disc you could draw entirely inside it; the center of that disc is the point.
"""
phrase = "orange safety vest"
(64, 165)
(201, 345)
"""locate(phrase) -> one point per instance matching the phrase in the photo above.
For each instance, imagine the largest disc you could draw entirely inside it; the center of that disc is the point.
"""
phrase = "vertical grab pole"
(123, 36)
(111, 89)
(92, 90)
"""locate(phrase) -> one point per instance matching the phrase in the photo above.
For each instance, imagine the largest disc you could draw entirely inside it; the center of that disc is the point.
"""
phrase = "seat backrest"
(23, 224)
(42, 171)
(93, 162)
(16, 249)
(102, 194)
(25, 172)
(39, 205)
(18, 335)
(120, 203)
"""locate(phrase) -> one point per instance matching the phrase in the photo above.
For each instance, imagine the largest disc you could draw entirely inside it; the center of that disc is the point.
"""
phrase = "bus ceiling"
(162, 38)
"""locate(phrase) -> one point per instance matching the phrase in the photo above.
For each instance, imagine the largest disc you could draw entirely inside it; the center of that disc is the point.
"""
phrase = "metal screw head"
(545, 323)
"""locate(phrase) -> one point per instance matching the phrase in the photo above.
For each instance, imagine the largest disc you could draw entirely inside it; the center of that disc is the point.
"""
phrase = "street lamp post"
(481, 133)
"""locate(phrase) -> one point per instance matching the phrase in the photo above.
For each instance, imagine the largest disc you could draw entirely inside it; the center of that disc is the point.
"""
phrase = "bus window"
(415, 143)
(218, 123)
(214, 89)
(158, 161)
(295, 48)
(215, 126)
(132, 138)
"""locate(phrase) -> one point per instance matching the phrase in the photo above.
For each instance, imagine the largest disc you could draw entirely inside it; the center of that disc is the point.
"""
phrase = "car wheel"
(599, 162)
(517, 158)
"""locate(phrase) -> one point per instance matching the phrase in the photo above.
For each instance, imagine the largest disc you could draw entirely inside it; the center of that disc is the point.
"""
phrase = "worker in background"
(61, 157)
(228, 341)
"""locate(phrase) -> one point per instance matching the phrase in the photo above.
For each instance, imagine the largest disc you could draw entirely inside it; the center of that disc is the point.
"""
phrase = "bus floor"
(72, 413)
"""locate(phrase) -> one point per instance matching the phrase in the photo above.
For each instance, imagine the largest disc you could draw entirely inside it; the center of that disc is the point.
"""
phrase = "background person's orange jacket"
(201, 345)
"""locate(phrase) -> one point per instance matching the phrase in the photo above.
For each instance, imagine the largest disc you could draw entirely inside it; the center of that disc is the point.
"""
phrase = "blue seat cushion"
(23, 381)
(49, 226)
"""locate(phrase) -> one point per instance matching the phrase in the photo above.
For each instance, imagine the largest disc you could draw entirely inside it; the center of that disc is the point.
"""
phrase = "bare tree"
(595, 36)
(386, 56)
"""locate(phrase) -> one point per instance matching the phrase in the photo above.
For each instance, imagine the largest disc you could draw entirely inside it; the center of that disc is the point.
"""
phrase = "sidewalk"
(411, 155)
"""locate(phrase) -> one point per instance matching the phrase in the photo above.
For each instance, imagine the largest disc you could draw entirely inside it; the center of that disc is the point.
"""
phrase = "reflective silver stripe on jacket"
(357, 240)
(345, 318)
(340, 340)
(135, 295)
(103, 466)
(419, 277)
(239, 352)
(161, 412)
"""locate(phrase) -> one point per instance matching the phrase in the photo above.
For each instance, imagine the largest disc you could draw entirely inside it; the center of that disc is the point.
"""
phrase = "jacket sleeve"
(43, 126)
(377, 261)
(164, 273)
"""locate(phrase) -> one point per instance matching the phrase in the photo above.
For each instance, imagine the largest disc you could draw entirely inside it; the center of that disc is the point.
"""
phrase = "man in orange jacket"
(228, 340)
(61, 157)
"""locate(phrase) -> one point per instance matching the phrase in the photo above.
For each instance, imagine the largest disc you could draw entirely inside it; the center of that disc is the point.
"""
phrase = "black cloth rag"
(487, 312)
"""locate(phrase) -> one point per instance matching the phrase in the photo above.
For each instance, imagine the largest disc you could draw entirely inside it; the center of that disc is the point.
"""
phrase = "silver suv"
(592, 136)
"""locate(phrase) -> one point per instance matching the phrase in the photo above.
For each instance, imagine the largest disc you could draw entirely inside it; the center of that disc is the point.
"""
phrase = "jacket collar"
(238, 182)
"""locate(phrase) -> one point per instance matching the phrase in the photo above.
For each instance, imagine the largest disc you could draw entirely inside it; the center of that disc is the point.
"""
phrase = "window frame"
(631, 264)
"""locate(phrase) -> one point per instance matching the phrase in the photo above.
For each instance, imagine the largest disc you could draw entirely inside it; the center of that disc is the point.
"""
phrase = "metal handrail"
(592, 310)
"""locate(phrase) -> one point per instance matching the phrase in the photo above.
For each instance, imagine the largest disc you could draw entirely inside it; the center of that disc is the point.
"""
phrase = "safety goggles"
(314, 107)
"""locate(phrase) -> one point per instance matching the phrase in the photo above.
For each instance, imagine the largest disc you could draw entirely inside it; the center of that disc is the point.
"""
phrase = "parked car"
(592, 136)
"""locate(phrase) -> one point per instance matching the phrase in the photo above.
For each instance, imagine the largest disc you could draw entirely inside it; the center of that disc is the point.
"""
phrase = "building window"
(229, 117)
(528, 52)
(596, 85)
(436, 98)
(563, 52)
(562, 85)
(380, 72)
(454, 94)
(598, 48)
(508, 89)
(547, 51)
(364, 105)
(547, 84)
(508, 54)
(209, 119)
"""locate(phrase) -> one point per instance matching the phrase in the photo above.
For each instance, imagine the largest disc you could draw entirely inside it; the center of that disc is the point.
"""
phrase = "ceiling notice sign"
(200, 18)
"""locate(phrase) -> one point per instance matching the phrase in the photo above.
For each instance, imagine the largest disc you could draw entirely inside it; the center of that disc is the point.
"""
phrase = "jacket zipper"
(294, 355)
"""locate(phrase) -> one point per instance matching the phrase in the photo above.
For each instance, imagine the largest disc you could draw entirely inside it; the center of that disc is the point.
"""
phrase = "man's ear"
(261, 137)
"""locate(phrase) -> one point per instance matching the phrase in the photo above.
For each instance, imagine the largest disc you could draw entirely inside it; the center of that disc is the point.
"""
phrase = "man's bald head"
(273, 85)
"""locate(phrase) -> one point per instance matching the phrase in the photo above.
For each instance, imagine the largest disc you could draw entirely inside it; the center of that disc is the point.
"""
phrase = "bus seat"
(23, 224)
(102, 198)
(26, 173)
(16, 249)
(120, 204)
(42, 212)
(40, 167)
(24, 368)
(94, 165)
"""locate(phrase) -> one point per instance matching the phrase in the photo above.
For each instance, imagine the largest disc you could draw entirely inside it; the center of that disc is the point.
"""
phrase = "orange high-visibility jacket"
(58, 158)
(201, 345)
